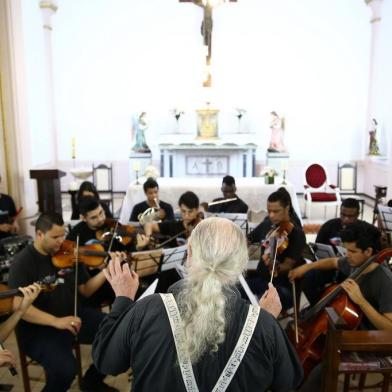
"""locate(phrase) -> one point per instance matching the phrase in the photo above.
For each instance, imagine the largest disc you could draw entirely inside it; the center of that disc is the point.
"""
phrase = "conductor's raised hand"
(270, 301)
(123, 281)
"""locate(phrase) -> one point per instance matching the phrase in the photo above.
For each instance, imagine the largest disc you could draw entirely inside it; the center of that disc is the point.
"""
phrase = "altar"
(207, 159)
(253, 191)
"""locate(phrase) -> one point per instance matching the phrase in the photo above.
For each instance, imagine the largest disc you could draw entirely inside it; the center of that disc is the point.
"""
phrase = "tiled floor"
(122, 381)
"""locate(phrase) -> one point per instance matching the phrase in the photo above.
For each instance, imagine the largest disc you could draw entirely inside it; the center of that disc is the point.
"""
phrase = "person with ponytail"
(201, 336)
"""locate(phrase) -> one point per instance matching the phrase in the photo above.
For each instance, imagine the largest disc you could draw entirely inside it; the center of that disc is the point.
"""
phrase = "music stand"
(173, 256)
(323, 251)
(146, 263)
(385, 214)
(239, 219)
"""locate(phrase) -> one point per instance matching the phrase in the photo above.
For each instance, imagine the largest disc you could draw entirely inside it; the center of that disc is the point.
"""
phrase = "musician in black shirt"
(288, 256)
(8, 223)
(48, 328)
(229, 192)
(151, 190)
(189, 207)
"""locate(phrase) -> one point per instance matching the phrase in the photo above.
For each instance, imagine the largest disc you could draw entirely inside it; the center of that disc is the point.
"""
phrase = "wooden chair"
(25, 362)
(341, 341)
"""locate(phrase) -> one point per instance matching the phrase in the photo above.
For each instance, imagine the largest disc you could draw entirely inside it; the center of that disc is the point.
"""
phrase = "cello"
(312, 328)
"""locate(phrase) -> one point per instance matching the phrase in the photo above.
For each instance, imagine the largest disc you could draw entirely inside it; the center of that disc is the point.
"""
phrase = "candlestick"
(137, 177)
(73, 144)
(136, 165)
(284, 178)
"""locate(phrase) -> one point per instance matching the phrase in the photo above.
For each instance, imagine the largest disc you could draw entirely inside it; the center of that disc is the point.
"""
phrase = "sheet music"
(150, 289)
(252, 298)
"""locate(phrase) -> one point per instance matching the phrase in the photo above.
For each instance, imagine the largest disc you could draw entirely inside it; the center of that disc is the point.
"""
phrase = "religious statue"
(277, 133)
(373, 146)
(206, 25)
(139, 127)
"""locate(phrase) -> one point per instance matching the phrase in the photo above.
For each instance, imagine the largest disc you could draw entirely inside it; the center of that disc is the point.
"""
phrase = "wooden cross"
(206, 29)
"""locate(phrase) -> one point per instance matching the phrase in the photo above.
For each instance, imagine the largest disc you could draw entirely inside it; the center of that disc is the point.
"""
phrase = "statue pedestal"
(138, 162)
(278, 161)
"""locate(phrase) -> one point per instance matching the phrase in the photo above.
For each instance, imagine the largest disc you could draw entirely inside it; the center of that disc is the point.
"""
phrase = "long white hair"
(218, 254)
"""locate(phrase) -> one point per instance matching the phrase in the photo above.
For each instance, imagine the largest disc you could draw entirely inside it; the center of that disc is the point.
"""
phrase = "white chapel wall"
(307, 60)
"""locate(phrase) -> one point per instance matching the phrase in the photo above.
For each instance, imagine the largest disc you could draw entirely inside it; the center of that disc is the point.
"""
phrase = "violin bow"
(274, 247)
(111, 243)
(170, 239)
(295, 311)
(76, 277)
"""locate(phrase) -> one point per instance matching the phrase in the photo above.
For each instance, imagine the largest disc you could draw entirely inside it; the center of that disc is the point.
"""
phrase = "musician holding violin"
(189, 208)
(281, 249)
(48, 329)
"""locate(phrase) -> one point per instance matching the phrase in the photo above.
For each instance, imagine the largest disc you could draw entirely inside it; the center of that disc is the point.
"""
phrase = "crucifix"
(206, 28)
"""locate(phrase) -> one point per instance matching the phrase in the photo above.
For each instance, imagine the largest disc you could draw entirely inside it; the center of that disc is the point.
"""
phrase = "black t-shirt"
(141, 207)
(89, 236)
(172, 228)
(329, 233)
(376, 287)
(30, 266)
(294, 250)
(235, 206)
(7, 212)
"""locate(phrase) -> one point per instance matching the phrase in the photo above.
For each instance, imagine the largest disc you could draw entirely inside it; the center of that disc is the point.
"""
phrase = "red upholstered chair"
(318, 190)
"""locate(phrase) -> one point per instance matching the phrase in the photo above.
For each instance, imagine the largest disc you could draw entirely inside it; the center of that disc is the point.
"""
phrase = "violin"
(188, 228)
(312, 328)
(91, 255)
(276, 242)
(48, 283)
(125, 234)
(112, 229)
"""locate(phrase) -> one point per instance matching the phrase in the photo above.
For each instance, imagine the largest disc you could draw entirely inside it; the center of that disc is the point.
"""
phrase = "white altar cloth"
(252, 190)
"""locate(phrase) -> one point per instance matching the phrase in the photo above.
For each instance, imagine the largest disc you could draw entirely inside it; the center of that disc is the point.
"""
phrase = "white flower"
(269, 172)
(151, 171)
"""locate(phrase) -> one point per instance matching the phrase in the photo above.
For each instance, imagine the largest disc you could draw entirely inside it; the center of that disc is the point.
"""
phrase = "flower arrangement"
(151, 171)
(269, 173)
(177, 113)
(240, 113)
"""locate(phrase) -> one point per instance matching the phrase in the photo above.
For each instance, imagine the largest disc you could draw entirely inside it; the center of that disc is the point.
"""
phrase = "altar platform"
(252, 190)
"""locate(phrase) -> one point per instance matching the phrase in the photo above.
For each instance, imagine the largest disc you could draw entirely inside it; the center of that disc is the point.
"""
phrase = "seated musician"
(151, 190)
(373, 294)
(8, 223)
(260, 231)
(139, 335)
(30, 293)
(49, 327)
(92, 224)
(189, 208)
(87, 188)
(288, 256)
(229, 192)
(329, 233)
